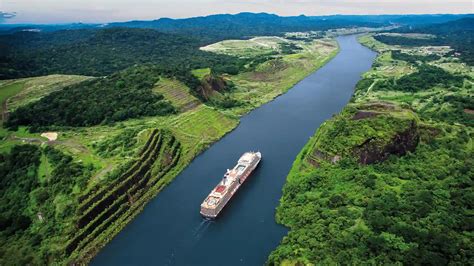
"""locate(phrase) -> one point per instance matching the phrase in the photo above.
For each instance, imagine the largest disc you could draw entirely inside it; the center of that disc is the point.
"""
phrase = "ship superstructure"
(230, 183)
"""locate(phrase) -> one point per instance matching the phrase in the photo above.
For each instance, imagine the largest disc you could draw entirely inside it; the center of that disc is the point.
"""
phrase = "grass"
(10, 89)
(38, 87)
(195, 127)
(247, 48)
(277, 76)
(202, 126)
(7, 90)
(12, 138)
(44, 170)
(201, 72)
(177, 93)
(445, 143)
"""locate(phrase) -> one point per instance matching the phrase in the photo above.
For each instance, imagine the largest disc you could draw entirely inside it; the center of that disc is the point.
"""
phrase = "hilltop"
(388, 180)
(98, 119)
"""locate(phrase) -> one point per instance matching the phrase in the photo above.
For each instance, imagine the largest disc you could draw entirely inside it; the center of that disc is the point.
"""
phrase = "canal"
(170, 230)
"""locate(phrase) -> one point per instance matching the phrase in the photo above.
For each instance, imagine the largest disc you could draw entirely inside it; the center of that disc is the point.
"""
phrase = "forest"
(120, 96)
(244, 25)
(409, 210)
(389, 180)
(426, 77)
(62, 200)
(412, 58)
(458, 34)
(100, 52)
(30, 196)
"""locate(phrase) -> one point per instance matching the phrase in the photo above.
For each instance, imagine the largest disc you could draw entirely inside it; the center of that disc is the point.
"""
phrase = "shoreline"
(151, 194)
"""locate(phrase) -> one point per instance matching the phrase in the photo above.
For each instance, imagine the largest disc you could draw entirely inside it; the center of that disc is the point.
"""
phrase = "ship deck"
(229, 180)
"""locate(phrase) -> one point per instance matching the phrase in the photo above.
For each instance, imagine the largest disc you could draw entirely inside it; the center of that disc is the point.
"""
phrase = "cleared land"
(386, 68)
(136, 158)
(278, 73)
(177, 93)
(51, 136)
(201, 72)
(35, 88)
(411, 35)
(7, 90)
(377, 182)
(247, 48)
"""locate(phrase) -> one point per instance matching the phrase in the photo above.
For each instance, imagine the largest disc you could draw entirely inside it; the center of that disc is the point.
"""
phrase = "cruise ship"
(230, 183)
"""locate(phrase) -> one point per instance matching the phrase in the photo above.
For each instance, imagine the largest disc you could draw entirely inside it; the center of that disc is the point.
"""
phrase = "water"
(170, 230)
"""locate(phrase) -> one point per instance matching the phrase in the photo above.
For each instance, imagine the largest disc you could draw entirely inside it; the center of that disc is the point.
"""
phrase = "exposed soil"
(5, 110)
(211, 84)
(364, 115)
(372, 152)
(469, 111)
(380, 106)
(190, 105)
(67, 143)
(51, 136)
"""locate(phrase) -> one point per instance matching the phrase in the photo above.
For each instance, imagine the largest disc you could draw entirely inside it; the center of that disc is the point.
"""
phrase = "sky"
(99, 11)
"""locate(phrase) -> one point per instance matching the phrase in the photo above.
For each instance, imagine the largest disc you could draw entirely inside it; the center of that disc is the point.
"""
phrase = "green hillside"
(120, 139)
(389, 179)
(101, 52)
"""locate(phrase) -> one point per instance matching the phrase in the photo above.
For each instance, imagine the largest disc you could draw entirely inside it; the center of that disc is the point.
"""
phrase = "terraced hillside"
(388, 180)
(123, 167)
(177, 93)
(98, 174)
(106, 210)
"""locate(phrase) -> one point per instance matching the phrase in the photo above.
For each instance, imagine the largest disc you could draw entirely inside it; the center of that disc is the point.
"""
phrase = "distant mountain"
(244, 25)
(418, 20)
(12, 28)
(97, 50)
(464, 24)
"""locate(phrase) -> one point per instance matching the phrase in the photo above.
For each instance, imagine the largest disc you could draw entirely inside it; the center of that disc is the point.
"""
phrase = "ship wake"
(199, 231)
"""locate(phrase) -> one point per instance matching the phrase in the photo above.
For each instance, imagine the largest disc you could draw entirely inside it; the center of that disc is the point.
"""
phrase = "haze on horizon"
(99, 11)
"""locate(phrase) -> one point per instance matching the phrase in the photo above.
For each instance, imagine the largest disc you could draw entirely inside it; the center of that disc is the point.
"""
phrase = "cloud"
(61, 11)
(5, 15)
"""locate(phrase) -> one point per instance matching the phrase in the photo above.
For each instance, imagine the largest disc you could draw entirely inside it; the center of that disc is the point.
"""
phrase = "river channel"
(170, 230)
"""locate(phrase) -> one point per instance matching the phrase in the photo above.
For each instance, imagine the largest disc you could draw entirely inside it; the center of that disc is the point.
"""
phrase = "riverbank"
(106, 151)
(193, 132)
(371, 184)
(269, 129)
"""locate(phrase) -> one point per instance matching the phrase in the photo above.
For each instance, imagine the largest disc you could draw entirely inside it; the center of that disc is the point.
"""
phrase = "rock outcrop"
(210, 85)
(368, 133)
(372, 151)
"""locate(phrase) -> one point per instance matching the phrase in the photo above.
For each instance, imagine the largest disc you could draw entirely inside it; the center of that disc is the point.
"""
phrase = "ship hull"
(212, 213)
